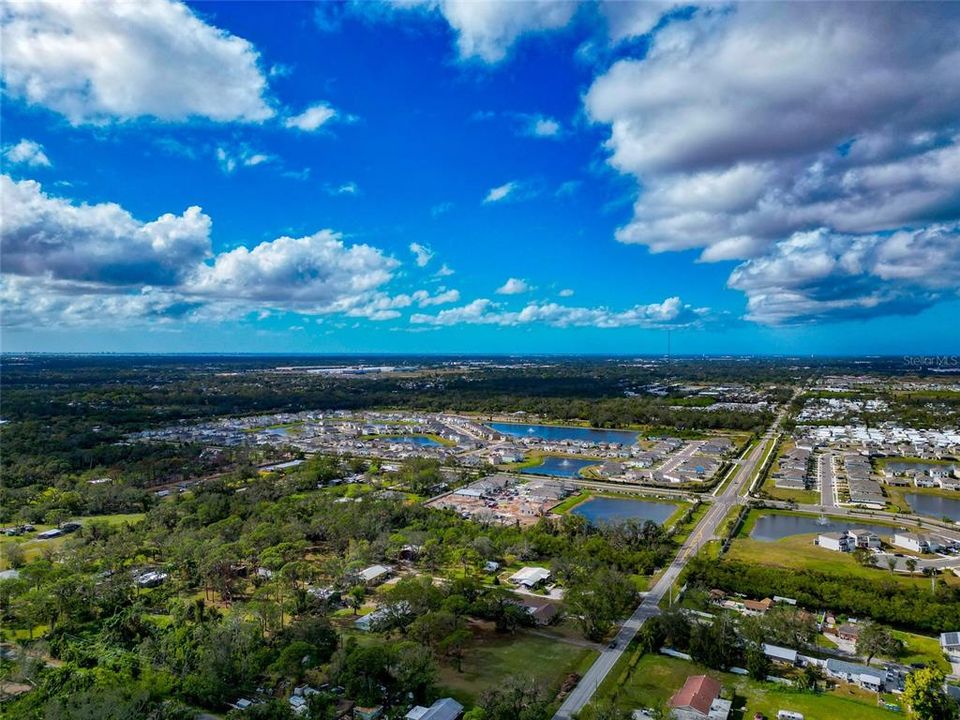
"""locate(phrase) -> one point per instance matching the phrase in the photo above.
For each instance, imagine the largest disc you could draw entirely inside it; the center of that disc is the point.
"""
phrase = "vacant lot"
(493, 658)
(799, 552)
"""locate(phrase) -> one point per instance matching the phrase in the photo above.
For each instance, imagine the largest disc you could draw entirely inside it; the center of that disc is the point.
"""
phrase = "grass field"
(494, 658)
(922, 649)
(799, 553)
(32, 548)
(801, 497)
(571, 502)
(655, 678)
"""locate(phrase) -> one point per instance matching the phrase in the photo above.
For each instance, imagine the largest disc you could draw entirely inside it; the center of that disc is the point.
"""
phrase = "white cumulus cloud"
(822, 275)
(544, 127)
(50, 237)
(26, 152)
(422, 254)
(501, 192)
(318, 273)
(67, 263)
(514, 286)
(97, 62)
(672, 312)
(312, 118)
(231, 158)
(486, 31)
(746, 125)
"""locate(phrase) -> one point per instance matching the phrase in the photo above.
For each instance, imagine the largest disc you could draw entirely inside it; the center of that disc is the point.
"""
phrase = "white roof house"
(530, 576)
(375, 573)
(950, 644)
(840, 542)
(782, 654)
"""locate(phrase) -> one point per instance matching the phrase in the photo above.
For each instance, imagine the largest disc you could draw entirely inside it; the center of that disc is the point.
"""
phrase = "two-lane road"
(649, 606)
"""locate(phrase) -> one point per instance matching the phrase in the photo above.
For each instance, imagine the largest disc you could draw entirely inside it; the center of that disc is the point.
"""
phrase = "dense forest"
(67, 417)
(237, 611)
(882, 599)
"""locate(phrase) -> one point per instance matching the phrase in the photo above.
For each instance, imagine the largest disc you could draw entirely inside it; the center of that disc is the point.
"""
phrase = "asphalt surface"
(705, 530)
(825, 471)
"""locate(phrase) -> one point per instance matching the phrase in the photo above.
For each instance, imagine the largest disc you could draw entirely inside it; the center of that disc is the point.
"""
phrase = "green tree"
(13, 554)
(516, 698)
(598, 600)
(356, 597)
(875, 639)
(716, 644)
(809, 678)
(925, 697)
(454, 644)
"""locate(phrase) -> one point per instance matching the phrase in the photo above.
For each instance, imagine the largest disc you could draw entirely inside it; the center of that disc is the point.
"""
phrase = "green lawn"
(683, 531)
(801, 497)
(922, 649)
(494, 658)
(655, 678)
(571, 502)
(32, 547)
(799, 552)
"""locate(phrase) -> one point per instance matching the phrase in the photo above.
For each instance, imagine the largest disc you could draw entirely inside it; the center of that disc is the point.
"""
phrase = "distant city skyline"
(460, 177)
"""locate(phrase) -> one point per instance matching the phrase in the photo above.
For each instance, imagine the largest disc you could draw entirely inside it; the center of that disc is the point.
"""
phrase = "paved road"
(825, 473)
(674, 460)
(649, 606)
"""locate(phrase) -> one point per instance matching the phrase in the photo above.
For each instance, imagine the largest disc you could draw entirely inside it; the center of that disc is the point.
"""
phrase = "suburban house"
(611, 468)
(530, 577)
(442, 709)
(915, 542)
(865, 538)
(780, 654)
(861, 675)
(368, 713)
(375, 574)
(372, 620)
(510, 455)
(840, 542)
(848, 632)
(542, 613)
(950, 644)
(757, 607)
(699, 699)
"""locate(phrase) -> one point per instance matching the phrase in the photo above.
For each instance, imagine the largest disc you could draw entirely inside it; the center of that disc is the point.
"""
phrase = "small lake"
(559, 467)
(612, 510)
(558, 432)
(775, 527)
(934, 506)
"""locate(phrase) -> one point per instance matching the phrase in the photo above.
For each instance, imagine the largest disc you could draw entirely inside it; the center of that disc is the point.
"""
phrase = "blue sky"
(481, 177)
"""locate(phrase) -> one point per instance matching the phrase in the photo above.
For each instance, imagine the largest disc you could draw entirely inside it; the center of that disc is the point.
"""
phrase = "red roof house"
(698, 698)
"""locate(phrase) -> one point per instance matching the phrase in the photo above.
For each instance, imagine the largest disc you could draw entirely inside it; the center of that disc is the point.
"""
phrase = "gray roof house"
(442, 709)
